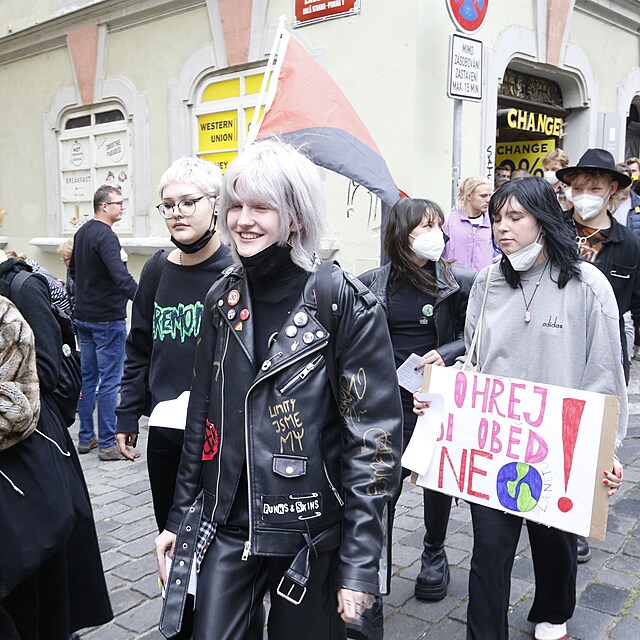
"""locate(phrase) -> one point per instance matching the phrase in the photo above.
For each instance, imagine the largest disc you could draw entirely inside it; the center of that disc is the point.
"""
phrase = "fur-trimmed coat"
(19, 388)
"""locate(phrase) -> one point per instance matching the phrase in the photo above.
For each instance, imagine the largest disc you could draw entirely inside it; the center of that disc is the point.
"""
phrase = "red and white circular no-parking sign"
(467, 15)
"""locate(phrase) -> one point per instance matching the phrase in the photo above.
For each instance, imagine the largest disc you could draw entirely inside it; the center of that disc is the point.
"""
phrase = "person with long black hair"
(540, 275)
(425, 298)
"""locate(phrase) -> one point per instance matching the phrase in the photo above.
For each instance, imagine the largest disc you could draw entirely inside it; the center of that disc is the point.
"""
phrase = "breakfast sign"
(535, 450)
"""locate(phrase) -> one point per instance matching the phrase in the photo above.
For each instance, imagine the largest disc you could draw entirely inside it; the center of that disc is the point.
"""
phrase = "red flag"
(309, 111)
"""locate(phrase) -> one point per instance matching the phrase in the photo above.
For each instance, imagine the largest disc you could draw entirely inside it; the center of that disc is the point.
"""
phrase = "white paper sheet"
(417, 456)
(409, 377)
(171, 414)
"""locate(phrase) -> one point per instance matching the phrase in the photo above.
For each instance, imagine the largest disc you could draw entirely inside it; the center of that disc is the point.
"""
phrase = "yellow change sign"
(526, 155)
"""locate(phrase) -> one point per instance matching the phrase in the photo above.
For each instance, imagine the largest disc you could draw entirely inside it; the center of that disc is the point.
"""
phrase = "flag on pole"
(306, 108)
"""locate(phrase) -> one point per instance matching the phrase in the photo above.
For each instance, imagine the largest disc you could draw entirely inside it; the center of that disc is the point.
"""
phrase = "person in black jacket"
(292, 448)
(51, 576)
(602, 240)
(426, 299)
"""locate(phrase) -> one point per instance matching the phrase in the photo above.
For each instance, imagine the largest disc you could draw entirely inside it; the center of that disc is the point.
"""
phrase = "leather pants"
(230, 593)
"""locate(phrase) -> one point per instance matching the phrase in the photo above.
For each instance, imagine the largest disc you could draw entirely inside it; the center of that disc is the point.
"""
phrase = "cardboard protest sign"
(535, 450)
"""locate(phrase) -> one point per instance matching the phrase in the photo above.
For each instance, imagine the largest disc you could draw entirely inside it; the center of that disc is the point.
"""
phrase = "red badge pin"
(233, 298)
(244, 314)
(211, 440)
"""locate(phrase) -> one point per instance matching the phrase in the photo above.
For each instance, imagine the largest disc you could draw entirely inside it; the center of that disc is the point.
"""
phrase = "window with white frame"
(223, 115)
(95, 149)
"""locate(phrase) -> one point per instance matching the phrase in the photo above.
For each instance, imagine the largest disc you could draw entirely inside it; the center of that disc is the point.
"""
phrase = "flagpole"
(253, 127)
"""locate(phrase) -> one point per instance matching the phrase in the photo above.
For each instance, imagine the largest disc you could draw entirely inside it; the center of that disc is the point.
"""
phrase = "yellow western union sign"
(218, 131)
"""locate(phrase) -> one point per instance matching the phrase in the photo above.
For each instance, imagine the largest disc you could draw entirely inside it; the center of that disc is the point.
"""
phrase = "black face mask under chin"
(268, 262)
(199, 244)
(196, 246)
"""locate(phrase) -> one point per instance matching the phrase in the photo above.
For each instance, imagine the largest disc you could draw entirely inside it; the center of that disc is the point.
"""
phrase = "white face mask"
(523, 259)
(589, 206)
(567, 193)
(551, 178)
(428, 246)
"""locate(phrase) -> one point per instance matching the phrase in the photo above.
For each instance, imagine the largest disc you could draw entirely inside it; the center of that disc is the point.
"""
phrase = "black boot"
(584, 553)
(433, 579)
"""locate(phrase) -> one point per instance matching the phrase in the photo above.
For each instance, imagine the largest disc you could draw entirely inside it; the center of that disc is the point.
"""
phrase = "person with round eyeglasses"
(165, 326)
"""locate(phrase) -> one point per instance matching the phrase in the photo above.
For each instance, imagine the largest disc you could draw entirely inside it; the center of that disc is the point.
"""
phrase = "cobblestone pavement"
(608, 604)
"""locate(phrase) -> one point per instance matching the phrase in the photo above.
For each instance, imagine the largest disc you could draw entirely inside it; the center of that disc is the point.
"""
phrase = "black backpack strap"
(16, 283)
(155, 269)
(324, 295)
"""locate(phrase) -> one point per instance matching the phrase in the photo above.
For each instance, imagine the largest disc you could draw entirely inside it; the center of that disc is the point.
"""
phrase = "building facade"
(101, 91)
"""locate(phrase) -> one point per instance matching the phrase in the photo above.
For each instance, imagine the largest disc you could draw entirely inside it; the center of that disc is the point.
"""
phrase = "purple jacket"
(469, 245)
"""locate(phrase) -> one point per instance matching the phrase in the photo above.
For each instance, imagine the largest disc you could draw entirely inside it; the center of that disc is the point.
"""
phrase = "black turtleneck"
(276, 283)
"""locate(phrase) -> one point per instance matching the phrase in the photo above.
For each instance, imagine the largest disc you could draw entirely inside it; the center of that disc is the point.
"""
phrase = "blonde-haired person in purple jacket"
(468, 227)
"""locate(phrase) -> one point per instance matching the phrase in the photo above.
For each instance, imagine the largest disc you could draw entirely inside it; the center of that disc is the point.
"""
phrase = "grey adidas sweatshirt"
(572, 339)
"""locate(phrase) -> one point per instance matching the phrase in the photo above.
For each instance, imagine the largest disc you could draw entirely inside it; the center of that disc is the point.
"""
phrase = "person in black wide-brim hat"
(595, 185)
(595, 161)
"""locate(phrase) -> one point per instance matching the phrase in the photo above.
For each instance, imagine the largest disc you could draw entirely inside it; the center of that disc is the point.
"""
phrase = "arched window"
(223, 115)
(95, 149)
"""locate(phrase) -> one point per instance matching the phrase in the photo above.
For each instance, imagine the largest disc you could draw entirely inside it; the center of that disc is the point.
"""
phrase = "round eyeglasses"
(186, 207)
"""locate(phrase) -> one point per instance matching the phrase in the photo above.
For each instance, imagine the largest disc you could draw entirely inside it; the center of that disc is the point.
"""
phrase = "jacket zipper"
(247, 545)
(335, 491)
(222, 360)
(302, 374)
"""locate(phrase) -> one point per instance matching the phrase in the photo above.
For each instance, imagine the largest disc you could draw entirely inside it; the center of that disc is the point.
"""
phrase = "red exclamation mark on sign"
(571, 414)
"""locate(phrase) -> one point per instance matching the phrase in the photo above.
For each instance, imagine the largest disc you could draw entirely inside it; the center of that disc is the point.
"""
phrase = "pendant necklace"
(527, 313)
(582, 240)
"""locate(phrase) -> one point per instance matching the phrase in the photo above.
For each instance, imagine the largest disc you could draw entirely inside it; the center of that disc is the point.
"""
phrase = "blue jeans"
(102, 362)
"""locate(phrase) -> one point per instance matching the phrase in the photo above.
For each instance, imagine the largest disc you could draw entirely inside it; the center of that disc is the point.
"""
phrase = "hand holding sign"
(417, 456)
(535, 450)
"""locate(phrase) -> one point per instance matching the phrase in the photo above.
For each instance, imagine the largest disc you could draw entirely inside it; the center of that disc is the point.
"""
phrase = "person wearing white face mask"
(549, 317)
(613, 248)
(425, 298)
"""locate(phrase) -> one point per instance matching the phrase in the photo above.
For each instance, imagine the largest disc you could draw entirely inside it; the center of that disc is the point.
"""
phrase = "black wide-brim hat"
(596, 160)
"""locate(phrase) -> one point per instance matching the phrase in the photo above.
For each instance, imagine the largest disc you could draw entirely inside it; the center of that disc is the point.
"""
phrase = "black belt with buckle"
(293, 584)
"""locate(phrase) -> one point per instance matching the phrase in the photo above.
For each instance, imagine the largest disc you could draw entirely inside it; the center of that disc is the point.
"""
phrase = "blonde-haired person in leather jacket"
(285, 482)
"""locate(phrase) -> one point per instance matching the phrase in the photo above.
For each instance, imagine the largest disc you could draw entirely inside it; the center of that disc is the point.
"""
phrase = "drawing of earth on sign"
(519, 486)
